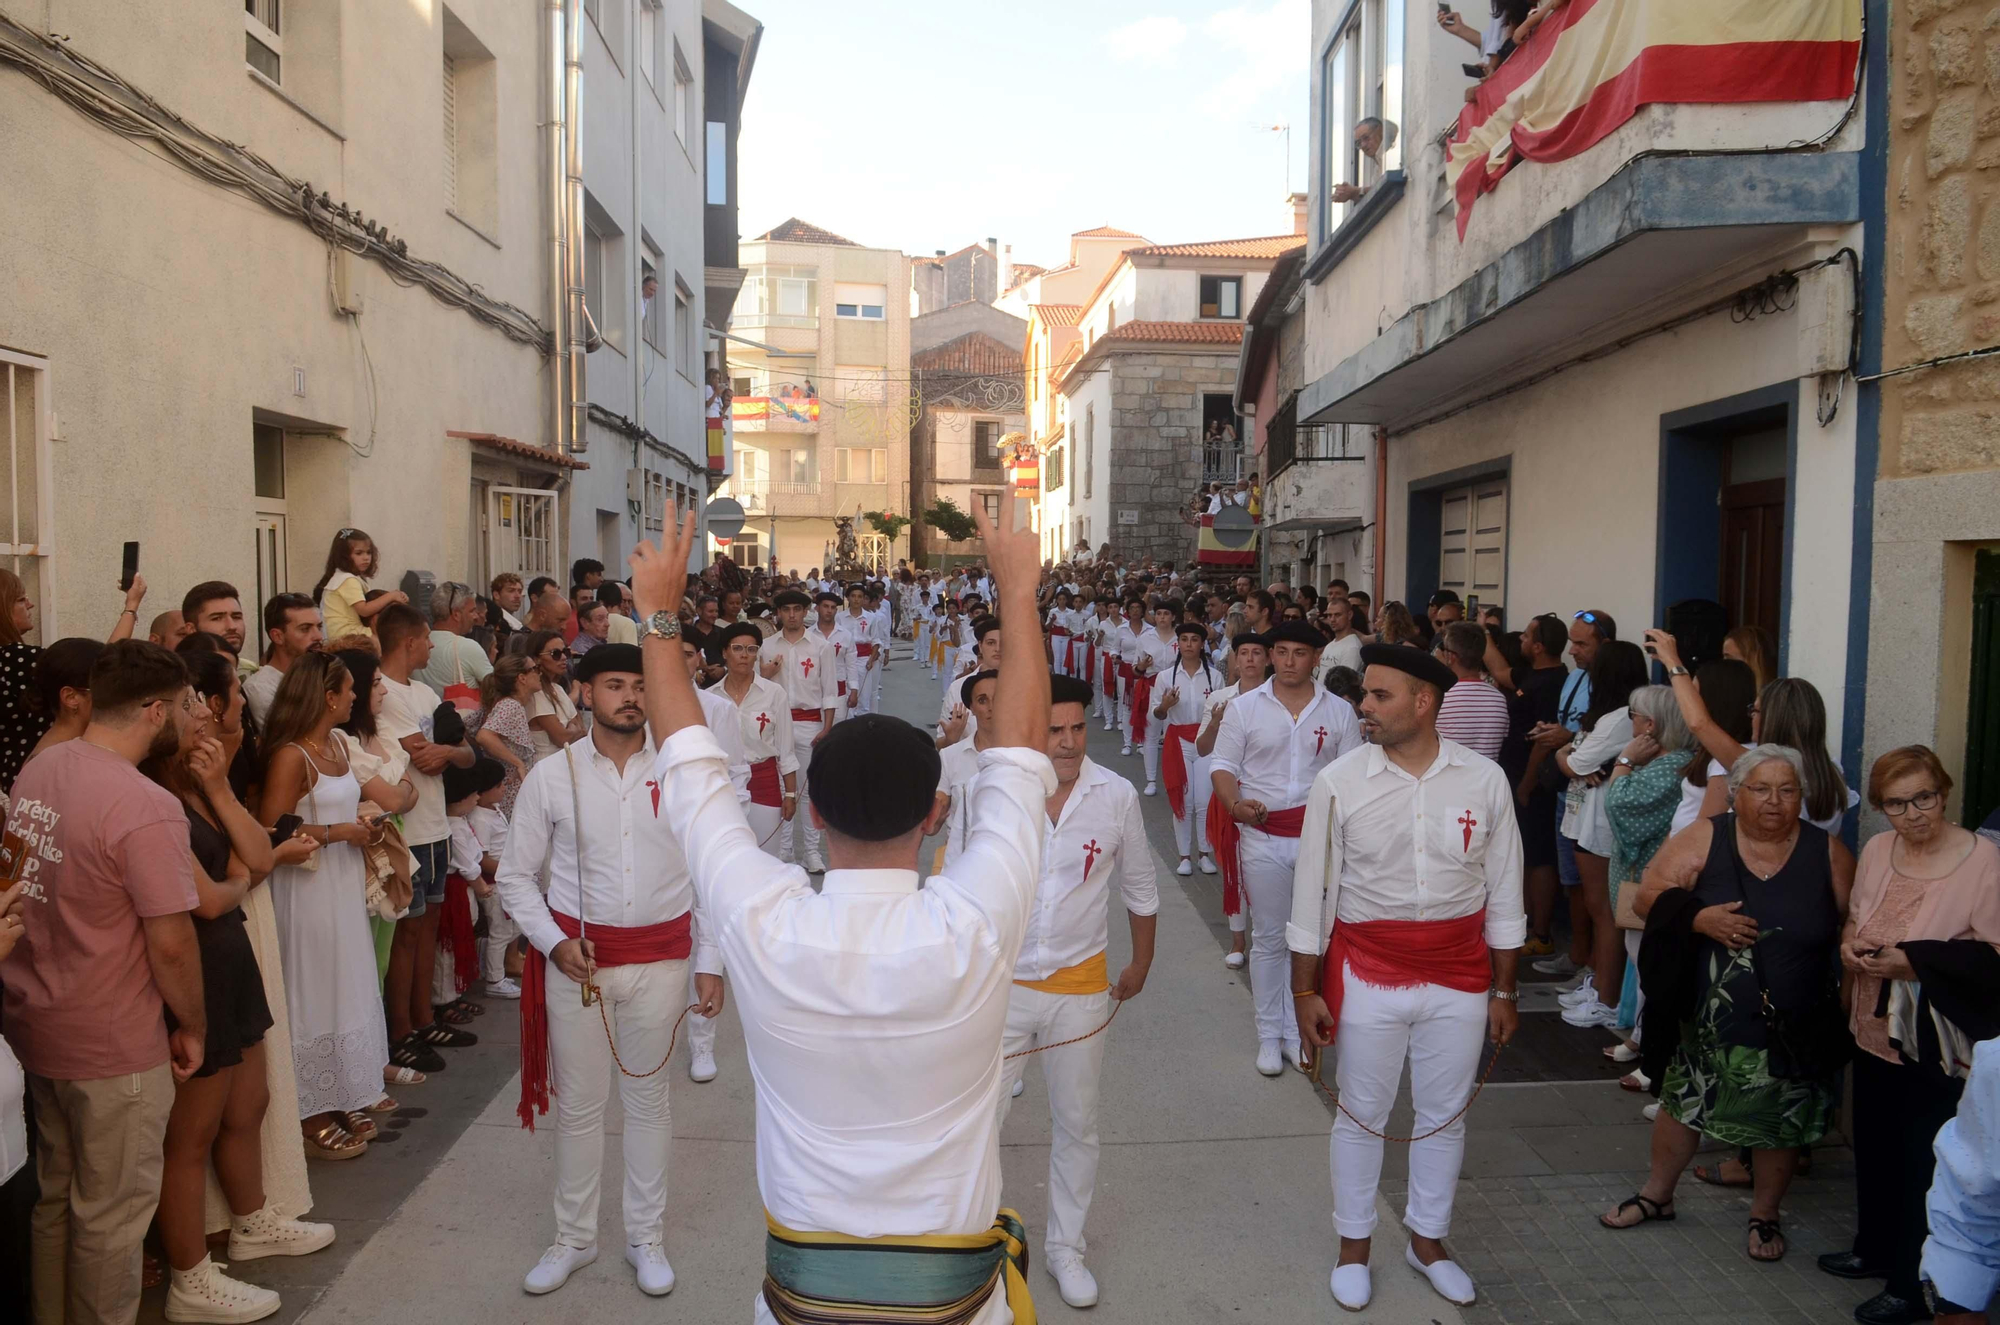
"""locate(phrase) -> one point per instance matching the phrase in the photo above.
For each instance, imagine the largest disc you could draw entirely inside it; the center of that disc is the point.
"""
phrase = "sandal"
(359, 1124)
(477, 1009)
(385, 1105)
(1764, 1232)
(1649, 1212)
(329, 1140)
(1636, 1082)
(456, 1014)
(1621, 1052)
(394, 1075)
(439, 1034)
(1713, 1176)
(410, 1053)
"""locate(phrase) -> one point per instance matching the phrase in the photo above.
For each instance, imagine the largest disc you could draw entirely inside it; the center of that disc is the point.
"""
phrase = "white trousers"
(1268, 863)
(1191, 827)
(1107, 693)
(803, 735)
(1442, 1031)
(700, 1029)
(644, 1002)
(501, 931)
(871, 685)
(767, 825)
(1071, 1073)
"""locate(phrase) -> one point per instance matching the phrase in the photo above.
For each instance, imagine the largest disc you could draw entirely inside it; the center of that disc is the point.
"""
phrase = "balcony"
(767, 497)
(1221, 463)
(1286, 443)
(792, 412)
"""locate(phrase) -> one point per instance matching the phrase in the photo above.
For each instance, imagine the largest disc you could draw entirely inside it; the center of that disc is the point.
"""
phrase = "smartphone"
(1473, 70)
(1444, 6)
(131, 567)
(282, 830)
(1472, 607)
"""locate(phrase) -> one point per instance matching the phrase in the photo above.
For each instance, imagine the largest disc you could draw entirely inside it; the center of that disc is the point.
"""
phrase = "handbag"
(1802, 1044)
(390, 868)
(463, 697)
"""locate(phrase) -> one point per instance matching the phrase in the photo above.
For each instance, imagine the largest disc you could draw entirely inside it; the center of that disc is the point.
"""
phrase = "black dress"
(232, 984)
(21, 725)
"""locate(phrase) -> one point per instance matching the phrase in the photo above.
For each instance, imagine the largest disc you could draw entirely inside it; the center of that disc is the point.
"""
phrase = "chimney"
(940, 252)
(1295, 203)
(1006, 281)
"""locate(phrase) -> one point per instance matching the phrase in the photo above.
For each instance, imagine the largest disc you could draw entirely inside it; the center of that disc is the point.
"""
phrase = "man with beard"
(618, 924)
(106, 890)
(1411, 861)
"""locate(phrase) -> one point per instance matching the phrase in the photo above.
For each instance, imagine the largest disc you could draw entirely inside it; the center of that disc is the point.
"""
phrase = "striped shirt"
(1474, 714)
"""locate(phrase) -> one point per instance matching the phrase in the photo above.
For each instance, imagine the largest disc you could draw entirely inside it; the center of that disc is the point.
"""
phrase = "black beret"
(610, 658)
(827, 596)
(873, 777)
(730, 634)
(1191, 628)
(790, 598)
(1405, 658)
(481, 775)
(1295, 632)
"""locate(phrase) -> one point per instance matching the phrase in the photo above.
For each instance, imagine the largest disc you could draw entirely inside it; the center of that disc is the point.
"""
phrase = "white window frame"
(856, 308)
(449, 88)
(1361, 76)
(594, 241)
(270, 38)
(14, 369)
(650, 262)
(1233, 281)
(648, 43)
(656, 502)
(685, 342)
(683, 107)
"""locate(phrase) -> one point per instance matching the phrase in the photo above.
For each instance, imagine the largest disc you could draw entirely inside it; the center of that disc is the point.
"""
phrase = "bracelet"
(133, 610)
(1505, 995)
(1305, 993)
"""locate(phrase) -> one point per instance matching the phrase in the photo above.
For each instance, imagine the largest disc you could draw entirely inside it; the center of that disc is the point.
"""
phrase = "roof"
(1104, 232)
(519, 449)
(794, 231)
(1267, 246)
(974, 353)
(1058, 315)
(1265, 318)
(1202, 333)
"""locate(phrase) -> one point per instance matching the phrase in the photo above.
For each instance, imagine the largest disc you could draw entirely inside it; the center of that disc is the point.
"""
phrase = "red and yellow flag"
(1209, 550)
(1593, 63)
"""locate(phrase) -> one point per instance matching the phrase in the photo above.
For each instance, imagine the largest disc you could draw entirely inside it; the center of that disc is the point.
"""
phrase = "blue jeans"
(428, 879)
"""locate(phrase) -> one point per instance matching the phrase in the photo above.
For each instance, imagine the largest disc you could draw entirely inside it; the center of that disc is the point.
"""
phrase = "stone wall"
(1943, 240)
(1153, 465)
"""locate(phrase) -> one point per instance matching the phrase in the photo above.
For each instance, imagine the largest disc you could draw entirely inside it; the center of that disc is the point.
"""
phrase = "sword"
(590, 993)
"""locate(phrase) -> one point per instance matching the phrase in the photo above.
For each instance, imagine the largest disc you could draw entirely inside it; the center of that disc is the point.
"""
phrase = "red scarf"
(1225, 838)
(1141, 704)
(1111, 665)
(1396, 954)
(455, 930)
(671, 941)
(764, 788)
(1173, 764)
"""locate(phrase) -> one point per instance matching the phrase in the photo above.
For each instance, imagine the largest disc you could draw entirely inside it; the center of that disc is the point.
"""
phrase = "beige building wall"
(169, 312)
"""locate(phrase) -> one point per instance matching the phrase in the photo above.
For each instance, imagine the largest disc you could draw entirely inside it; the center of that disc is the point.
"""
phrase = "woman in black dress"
(22, 721)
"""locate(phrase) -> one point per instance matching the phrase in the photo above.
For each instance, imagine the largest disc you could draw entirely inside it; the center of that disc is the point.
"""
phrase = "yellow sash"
(1090, 976)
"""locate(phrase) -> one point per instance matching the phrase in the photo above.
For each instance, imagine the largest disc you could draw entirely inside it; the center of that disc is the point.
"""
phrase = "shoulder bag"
(1803, 1044)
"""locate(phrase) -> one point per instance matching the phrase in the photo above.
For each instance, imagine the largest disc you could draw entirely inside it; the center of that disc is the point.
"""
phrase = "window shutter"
(450, 132)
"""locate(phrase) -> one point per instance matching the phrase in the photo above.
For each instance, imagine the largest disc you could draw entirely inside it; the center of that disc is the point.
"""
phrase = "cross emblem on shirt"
(1091, 852)
(807, 666)
(1319, 744)
(763, 721)
(1468, 823)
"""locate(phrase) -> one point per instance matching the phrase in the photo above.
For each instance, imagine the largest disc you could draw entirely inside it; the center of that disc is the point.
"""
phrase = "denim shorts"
(428, 879)
(1565, 853)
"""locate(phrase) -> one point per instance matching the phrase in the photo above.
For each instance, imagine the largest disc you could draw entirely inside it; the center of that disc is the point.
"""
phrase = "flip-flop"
(1713, 1177)
(1766, 1232)
(1650, 1211)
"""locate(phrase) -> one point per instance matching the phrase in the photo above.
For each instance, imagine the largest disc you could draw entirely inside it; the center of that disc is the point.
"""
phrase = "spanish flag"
(1593, 63)
(1209, 550)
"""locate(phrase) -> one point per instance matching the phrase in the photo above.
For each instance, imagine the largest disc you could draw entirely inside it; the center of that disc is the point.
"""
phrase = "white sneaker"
(1019, 1086)
(1270, 1058)
(1207, 865)
(1152, 789)
(1185, 868)
(1077, 1285)
(1591, 1014)
(1352, 1287)
(265, 1232)
(558, 1263)
(1585, 992)
(1559, 966)
(205, 1293)
(701, 1065)
(1126, 749)
(656, 1277)
(1651, 1111)
(505, 987)
(1235, 961)
(1452, 1284)
(814, 865)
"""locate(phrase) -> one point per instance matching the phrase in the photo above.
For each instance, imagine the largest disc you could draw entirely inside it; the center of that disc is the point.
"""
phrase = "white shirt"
(1691, 797)
(766, 722)
(1165, 653)
(727, 726)
(260, 688)
(1379, 844)
(1215, 699)
(863, 629)
(408, 709)
(1099, 833)
(562, 708)
(958, 766)
(842, 643)
(489, 829)
(872, 1010)
(1191, 702)
(1344, 652)
(1125, 641)
(810, 674)
(1274, 756)
(633, 871)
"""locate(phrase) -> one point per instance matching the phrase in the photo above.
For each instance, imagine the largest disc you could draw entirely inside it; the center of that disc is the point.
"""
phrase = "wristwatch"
(1626, 762)
(1677, 671)
(1505, 995)
(664, 624)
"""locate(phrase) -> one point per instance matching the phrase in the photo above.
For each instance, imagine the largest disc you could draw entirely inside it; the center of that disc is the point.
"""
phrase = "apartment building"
(965, 371)
(819, 360)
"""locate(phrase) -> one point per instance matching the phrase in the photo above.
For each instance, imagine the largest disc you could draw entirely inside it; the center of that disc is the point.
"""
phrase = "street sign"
(725, 519)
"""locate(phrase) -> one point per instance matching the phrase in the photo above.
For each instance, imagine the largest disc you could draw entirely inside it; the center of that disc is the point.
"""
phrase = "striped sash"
(921, 1279)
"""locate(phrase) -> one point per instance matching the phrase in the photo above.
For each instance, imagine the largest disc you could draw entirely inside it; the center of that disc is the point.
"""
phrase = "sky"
(928, 124)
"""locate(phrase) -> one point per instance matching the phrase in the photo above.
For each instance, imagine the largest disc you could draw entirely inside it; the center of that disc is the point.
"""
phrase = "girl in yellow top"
(344, 606)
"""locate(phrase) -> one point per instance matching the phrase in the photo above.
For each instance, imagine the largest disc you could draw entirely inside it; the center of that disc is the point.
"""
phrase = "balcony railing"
(1287, 443)
(764, 487)
(1221, 463)
(784, 413)
(804, 322)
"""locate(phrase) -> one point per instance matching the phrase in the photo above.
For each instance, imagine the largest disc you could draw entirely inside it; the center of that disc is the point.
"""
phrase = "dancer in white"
(1252, 658)
(826, 611)
(983, 655)
(725, 721)
(873, 1010)
(618, 923)
(803, 662)
(1125, 643)
(871, 648)
(765, 714)
(1180, 701)
(1273, 743)
(959, 761)
(1100, 637)
(1156, 655)
(1409, 879)
(1062, 983)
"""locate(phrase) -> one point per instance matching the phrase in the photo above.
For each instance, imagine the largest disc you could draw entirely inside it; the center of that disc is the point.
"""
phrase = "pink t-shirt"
(107, 847)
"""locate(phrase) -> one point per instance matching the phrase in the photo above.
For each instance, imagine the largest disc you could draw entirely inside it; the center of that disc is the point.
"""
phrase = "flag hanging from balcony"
(1593, 64)
(1209, 550)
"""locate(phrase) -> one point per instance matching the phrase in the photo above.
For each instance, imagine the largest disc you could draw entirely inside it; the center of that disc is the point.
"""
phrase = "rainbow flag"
(1210, 552)
(1593, 63)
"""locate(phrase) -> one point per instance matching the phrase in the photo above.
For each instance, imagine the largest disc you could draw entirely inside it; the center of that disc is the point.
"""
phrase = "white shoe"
(814, 865)
(558, 1263)
(1271, 1058)
(656, 1277)
(1452, 1284)
(1235, 961)
(504, 987)
(1651, 1111)
(265, 1232)
(1019, 1086)
(1185, 868)
(1126, 749)
(205, 1293)
(1152, 789)
(1559, 966)
(1591, 1014)
(1622, 1052)
(701, 1065)
(1077, 1284)
(1352, 1288)
(1585, 992)
(1207, 865)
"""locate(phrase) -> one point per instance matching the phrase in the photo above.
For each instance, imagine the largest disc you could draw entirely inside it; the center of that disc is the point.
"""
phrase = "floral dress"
(509, 721)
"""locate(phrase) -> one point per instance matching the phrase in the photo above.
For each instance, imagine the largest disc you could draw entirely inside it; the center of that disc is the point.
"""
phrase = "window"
(1089, 446)
(450, 132)
(717, 167)
(1361, 106)
(986, 443)
(656, 501)
(864, 301)
(469, 91)
(686, 346)
(854, 464)
(263, 44)
(607, 292)
(800, 466)
(741, 386)
(990, 501)
(683, 95)
(1052, 470)
(649, 41)
(593, 270)
(779, 296)
(1222, 296)
(649, 305)
(1472, 552)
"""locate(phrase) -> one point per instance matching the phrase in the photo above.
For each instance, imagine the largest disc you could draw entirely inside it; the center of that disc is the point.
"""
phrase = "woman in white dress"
(340, 1042)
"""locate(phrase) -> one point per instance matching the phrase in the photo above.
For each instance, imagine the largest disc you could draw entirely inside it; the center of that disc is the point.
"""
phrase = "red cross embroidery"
(1091, 852)
(807, 666)
(763, 721)
(653, 785)
(1468, 823)
(1319, 744)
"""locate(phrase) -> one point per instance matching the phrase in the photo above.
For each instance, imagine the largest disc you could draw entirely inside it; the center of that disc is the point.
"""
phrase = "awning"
(519, 450)
(1324, 524)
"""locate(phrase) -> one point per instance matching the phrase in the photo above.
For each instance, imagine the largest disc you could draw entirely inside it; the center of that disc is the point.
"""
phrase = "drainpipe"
(558, 290)
(576, 317)
(1381, 514)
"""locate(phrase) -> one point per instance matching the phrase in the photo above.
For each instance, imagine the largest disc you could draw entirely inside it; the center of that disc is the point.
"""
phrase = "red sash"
(455, 930)
(1396, 954)
(1063, 631)
(806, 715)
(1111, 665)
(764, 788)
(1173, 764)
(1142, 704)
(671, 941)
(1225, 837)
(863, 649)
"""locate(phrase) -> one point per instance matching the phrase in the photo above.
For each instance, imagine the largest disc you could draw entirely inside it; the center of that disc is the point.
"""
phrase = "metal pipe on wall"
(1381, 515)
(576, 403)
(558, 290)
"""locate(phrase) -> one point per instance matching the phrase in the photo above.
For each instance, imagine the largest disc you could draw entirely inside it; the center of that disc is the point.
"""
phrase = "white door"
(521, 531)
(271, 563)
(1472, 553)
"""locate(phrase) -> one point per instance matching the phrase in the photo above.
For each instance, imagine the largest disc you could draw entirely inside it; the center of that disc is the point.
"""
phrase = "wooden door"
(1753, 553)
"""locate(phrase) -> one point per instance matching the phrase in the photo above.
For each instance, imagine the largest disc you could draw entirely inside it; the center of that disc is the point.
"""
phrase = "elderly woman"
(1772, 891)
(1928, 879)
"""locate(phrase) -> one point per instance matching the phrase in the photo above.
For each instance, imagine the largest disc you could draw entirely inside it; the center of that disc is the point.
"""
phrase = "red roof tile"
(1205, 333)
(1268, 246)
(974, 353)
(1104, 232)
(1058, 315)
(523, 450)
(794, 231)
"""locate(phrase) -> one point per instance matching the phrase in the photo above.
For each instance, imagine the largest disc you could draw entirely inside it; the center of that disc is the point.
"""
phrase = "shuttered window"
(450, 132)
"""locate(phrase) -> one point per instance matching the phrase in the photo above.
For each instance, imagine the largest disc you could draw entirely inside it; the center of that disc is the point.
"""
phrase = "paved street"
(1212, 1201)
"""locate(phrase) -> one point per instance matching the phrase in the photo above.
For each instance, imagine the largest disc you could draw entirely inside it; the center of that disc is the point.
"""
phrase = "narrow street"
(1212, 1201)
